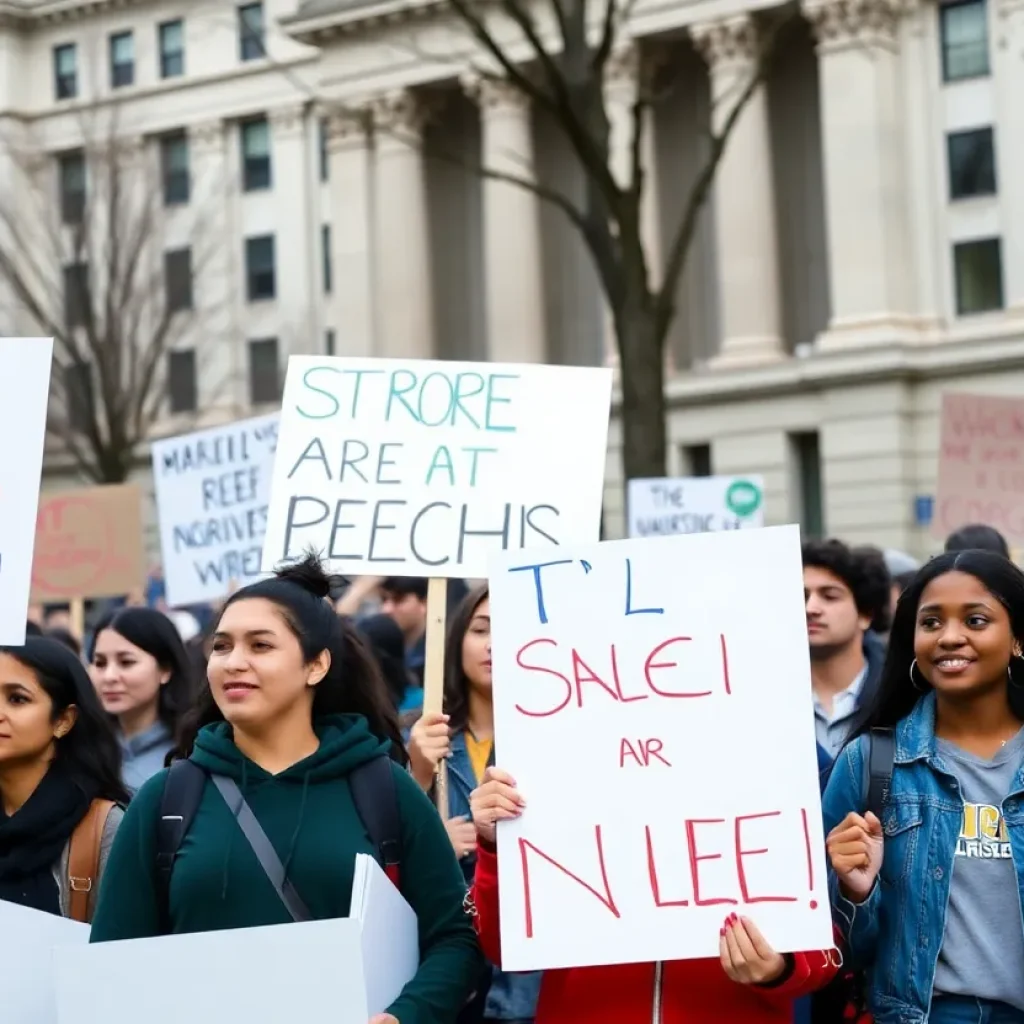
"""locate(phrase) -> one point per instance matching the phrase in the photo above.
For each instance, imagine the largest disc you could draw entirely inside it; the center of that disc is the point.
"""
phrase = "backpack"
(373, 792)
(844, 1000)
(84, 859)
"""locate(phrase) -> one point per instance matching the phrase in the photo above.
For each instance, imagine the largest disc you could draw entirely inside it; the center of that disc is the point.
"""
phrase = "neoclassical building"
(862, 251)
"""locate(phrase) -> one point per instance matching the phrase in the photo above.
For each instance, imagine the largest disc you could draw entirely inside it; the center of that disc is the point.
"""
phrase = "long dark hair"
(154, 633)
(89, 752)
(897, 694)
(353, 684)
(456, 685)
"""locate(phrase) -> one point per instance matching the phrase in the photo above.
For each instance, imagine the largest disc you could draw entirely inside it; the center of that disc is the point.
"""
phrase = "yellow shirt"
(479, 752)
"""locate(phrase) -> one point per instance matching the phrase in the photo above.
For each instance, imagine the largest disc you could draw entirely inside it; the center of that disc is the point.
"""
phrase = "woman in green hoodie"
(294, 705)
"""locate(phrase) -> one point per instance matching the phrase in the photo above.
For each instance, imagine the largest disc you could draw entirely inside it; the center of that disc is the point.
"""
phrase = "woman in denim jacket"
(936, 922)
(465, 736)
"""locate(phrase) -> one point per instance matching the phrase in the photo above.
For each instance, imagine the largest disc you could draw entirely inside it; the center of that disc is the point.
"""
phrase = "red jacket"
(693, 991)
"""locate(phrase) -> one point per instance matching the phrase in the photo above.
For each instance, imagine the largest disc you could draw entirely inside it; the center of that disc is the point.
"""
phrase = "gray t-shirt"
(982, 952)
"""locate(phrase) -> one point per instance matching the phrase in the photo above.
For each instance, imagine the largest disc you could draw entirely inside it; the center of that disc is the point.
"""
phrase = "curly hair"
(862, 569)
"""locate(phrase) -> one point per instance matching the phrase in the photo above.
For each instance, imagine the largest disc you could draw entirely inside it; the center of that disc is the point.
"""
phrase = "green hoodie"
(308, 814)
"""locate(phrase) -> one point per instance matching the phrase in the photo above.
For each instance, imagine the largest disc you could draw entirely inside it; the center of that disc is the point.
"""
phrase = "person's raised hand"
(855, 848)
(429, 744)
(495, 799)
(746, 955)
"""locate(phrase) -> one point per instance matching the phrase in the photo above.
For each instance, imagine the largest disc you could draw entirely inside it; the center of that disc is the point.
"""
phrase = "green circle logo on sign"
(743, 498)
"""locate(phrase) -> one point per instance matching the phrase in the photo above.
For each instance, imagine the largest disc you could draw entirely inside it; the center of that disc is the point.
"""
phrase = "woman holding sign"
(291, 776)
(926, 806)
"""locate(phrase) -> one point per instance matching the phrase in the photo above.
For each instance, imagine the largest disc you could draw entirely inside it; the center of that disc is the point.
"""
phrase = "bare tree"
(82, 259)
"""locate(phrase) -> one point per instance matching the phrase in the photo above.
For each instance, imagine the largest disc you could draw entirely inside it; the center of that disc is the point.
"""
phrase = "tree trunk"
(642, 375)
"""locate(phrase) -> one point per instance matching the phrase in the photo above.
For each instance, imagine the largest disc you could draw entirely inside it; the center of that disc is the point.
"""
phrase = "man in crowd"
(404, 599)
(847, 597)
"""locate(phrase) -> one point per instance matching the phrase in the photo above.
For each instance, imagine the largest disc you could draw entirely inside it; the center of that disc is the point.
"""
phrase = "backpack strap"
(373, 791)
(878, 769)
(84, 859)
(182, 794)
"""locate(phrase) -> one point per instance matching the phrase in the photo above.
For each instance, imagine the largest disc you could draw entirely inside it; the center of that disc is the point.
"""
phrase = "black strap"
(373, 792)
(182, 794)
(262, 847)
(879, 768)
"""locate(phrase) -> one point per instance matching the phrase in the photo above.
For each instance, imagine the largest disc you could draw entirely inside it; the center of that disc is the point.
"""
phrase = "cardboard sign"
(88, 544)
(981, 465)
(24, 390)
(679, 667)
(694, 504)
(212, 491)
(410, 468)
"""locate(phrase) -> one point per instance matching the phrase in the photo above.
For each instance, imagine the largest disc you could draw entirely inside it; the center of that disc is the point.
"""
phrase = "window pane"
(256, 154)
(964, 30)
(972, 165)
(76, 294)
(329, 342)
(182, 383)
(79, 395)
(259, 263)
(325, 159)
(72, 188)
(66, 56)
(264, 372)
(174, 160)
(172, 49)
(65, 69)
(122, 63)
(250, 31)
(979, 276)
(325, 242)
(178, 279)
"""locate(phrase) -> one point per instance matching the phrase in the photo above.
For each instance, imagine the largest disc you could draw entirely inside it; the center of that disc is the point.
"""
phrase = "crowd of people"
(134, 762)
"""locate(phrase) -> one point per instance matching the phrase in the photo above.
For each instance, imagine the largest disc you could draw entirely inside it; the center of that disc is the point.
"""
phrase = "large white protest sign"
(28, 938)
(24, 389)
(689, 790)
(424, 468)
(694, 504)
(212, 491)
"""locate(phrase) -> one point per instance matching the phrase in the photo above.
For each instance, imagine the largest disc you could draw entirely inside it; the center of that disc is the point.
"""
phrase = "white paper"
(390, 935)
(24, 391)
(271, 975)
(212, 490)
(695, 504)
(27, 938)
(394, 467)
(679, 668)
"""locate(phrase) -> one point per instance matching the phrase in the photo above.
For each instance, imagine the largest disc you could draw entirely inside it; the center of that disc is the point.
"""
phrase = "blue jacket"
(511, 996)
(900, 926)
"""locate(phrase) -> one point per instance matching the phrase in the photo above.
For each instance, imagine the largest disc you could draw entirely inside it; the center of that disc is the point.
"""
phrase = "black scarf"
(32, 841)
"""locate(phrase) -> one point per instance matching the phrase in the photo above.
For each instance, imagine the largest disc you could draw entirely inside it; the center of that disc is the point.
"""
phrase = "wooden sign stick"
(433, 674)
(76, 612)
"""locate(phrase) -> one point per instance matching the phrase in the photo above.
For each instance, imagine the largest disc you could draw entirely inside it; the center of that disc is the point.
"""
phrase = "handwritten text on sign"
(212, 491)
(652, 701)
(981, 465)
(425, 468)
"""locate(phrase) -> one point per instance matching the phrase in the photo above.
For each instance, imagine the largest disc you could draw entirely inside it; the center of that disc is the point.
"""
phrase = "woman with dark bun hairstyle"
(294, 709)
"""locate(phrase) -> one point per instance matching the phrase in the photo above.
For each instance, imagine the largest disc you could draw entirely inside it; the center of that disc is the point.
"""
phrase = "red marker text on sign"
(644, 752)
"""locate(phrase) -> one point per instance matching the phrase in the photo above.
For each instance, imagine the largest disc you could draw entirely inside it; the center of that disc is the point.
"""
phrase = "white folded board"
(26, 940)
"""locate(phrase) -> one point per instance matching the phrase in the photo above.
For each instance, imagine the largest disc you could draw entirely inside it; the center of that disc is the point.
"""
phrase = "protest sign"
(88, 544)
(679, 667)
(981, 465)
(409, 468)
(212, 490)
(24, 389)
(694, 504)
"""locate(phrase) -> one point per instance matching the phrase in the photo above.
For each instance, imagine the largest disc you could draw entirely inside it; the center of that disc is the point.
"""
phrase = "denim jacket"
(897, 931)
(512, 996)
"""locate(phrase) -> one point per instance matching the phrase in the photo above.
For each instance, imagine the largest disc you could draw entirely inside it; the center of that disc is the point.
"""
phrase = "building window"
(978, 268)
(256, 154)
(71, 171)
(79, 395)
(264, 372)
(972, 163)
(171, 38)
(697, 459)
(174, 168)
(65, 71)
(122, 60)
(325, 158)
(329, 342)
(325, 242)
(182, 384)
(963, 28)
(806, 452)
(178, 279)
(260, 277)
(250, 32)
(76, 295)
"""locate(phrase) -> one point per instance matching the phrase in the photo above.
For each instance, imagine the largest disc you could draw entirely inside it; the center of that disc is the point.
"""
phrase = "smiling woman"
(951, 830)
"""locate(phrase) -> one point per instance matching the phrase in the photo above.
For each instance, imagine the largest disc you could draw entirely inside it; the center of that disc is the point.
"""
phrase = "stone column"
(1009, 72)
(403, 292)
(744, 199)
(866, 201)
(352, 241)
(512, 240)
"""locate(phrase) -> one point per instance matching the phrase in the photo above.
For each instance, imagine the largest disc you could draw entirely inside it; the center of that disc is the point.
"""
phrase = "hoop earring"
(913, 681)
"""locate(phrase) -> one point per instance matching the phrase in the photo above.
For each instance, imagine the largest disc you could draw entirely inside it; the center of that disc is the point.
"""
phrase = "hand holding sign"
(496, 799)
